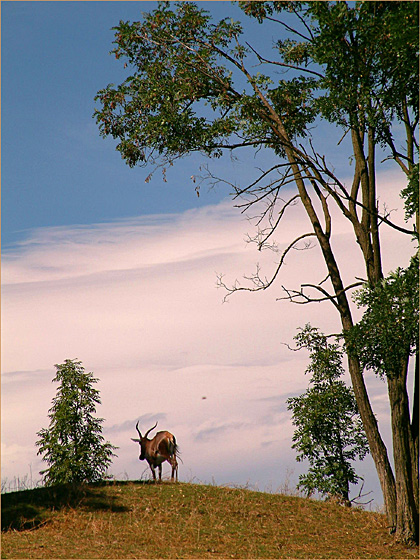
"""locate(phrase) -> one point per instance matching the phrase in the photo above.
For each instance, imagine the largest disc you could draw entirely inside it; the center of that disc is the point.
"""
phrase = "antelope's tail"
(173, 447)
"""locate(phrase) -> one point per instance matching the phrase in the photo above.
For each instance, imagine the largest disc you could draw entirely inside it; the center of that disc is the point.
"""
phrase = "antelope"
(161, 448)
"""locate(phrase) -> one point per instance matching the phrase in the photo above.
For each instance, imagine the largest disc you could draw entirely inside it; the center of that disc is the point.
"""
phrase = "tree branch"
(284, 64)
(291, 29)
(259, 283)
(293, 295)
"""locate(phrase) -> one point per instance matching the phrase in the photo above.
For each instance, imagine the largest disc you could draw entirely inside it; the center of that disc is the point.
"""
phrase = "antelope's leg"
(174, 465)
(152, 468)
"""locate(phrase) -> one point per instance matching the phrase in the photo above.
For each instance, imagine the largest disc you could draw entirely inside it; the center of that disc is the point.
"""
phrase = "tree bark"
(415, 427)
(406, 481)
(377, 447)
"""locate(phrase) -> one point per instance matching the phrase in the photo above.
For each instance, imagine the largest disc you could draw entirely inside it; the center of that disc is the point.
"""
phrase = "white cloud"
(136, 301)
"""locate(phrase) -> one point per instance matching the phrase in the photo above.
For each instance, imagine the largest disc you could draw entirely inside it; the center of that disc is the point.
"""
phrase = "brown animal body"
(156, 451)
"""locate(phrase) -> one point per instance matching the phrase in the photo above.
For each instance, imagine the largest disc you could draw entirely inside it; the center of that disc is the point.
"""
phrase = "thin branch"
(292, 295)
(283, 64)
(360, 495)
(346, 196)
(344, 135)
(259, 283)
(262, 237)
(266, 193)
(291, 29)
(244, 144)
(264, 174)
(291, 201)
(380, 217)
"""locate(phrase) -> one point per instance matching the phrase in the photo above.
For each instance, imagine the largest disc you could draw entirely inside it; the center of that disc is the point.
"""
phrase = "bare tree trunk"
(377, 447)
(415, 429)
(367, 233)
(406, 482)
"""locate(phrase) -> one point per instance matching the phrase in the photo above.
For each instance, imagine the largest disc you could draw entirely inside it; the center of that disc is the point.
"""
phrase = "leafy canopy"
(388, 332)
(73, 445)
(182, 96)
(193, 86)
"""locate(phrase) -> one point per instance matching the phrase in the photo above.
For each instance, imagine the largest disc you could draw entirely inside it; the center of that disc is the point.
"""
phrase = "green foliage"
(369, 49)
(190, 88)
(388, 332)
(73, 445)
(182, 97)
(153, 108)
(262, 10)
(329, 433)
(366, 52)
(410, 194)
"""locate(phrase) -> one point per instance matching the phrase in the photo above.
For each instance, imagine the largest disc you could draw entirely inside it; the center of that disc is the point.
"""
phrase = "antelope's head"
(143, 441)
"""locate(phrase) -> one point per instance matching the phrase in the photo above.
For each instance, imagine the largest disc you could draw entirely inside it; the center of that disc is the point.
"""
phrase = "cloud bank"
(136, 301)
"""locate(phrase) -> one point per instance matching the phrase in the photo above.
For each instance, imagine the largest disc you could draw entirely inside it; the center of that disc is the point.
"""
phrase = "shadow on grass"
(30, 509)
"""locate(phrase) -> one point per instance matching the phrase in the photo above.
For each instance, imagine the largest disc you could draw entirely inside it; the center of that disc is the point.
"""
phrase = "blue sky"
(101, 266)
(56, 169)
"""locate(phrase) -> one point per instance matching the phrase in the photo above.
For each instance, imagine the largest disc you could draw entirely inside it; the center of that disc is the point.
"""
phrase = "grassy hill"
(142, 520)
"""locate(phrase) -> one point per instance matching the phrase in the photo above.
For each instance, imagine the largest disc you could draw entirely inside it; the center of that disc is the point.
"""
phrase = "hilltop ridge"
(143, 520)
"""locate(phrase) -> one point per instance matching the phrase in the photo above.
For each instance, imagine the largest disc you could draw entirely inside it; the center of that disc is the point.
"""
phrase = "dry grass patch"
(140, 520)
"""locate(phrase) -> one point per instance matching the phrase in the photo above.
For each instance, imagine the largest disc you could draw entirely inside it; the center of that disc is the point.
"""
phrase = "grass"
(142, 520)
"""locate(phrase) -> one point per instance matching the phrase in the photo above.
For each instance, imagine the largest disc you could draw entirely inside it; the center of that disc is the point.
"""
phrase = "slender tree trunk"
(377, 447)
(366, 229)
(406, 482)
(415, 429)
(406, 487)
(367, 233)
(373, 218)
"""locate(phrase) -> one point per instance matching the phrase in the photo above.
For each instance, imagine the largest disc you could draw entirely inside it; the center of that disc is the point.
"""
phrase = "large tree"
(197, 86)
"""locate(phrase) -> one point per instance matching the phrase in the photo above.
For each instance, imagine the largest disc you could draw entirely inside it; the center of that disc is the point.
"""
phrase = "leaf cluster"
(388, 332)
(367, 53)
(263, 10)
(191, 89)
(410, 194)
(73, 445)
(153, 109)
(182, 95)
(329, 433)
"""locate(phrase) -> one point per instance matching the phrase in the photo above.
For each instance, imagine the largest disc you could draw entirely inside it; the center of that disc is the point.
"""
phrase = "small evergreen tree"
(329, 430)
(73, 445)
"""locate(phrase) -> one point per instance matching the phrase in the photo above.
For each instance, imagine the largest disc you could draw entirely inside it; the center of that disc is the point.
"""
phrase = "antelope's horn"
(148, 431)
(137, 428)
